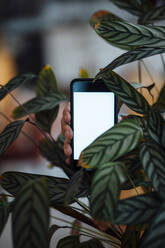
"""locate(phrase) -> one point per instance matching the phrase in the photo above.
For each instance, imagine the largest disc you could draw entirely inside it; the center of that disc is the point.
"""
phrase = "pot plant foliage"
(127, 156)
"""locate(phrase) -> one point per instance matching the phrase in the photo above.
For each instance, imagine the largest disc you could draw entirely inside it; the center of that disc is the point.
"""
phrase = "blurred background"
(55, 32)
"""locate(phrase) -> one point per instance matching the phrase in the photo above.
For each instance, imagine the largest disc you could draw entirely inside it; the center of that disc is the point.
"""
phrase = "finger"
(66, 113)
(67, 149)
(67, 132)
(68, 160)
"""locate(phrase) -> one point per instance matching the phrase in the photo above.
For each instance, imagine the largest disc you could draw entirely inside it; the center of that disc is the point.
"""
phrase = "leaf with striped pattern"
(14, 181)
(9, 134)
(57, 187)
(137, 209)
(155, 14)
(153, 158)
(130, 96)
(75, 183)
(69, 242)
(156, 128)
(46, 84)
(54, 152)
(132, 6)
(30, 215)
(154, 237)
(131, 35)
(103, 15)
(14, 83)
(4, 213)
(39, 104)
(105, 190)
(160, 103)
(130, 238)
(114, 143)
(131, 56)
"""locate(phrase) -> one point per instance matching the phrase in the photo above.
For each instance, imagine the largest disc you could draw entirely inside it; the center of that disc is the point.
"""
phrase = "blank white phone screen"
(94, 113)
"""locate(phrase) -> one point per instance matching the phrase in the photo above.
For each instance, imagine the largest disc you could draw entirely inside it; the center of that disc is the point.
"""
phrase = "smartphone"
(93, 111)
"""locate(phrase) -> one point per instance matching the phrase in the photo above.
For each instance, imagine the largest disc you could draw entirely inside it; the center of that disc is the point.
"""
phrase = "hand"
(67, 132)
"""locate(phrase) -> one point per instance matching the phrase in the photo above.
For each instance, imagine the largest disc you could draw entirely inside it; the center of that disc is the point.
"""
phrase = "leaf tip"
(47, 67)
(81, 163)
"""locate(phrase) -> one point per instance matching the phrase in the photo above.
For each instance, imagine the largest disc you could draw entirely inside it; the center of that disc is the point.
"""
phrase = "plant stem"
(139, 72)
(163, 63)
(149, 74)
(83, 205)
(2, 194)
(89, 230)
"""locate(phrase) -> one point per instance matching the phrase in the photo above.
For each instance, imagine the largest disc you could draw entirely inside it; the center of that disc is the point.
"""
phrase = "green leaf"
(92, 243)
(46, 118)
(131, 56)
(14, 83)
(156, 128)
(9, 134)
(46, 84)
(14, 181)
(137, 209)
(132, 6)
(54, 152)
(160, 103)
(105, 190)
(103, 15)
(4, 213)
(39, 104)
(131, 35)
(30, 216)
(74, 185)
(131, 97)
(51, 231)
(154, 237)
(114, 143)
(130, 238)
(69, 242)
(153, 159)
(155, 14)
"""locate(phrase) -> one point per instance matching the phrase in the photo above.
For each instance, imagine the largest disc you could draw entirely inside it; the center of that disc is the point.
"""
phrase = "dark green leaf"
(137, 209)
(155, 14)
(105, 190)
(130, 238)
(131, 35)
(46, 118)
(130, 96)
(4, 213)
(14, 181)
(9, 134)
(14, 83)
(160, 103)
(51, 231)
(131, 56)
(74, 185)
(69, 242)
(153, 159)
(46, 84)
(39, 104)
(112, 144)
(156, 128)
(154, 237)
(92, 243)
(30, 216)
(54, 152)
(132, 6)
